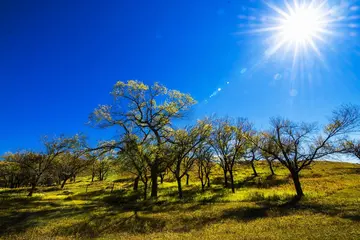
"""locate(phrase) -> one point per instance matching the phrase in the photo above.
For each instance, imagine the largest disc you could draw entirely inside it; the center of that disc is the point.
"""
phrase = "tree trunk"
(63, 183)
(208, 181)
(232, 181)
(225, 178)
(145, 190)
(154, 178)
(136, 183)
(253, 168)
(299, 191)
(100, 174)
(178, 180)
(162, 178)
(32, 189)
(92, 177)
(187, 179)
(271, 167)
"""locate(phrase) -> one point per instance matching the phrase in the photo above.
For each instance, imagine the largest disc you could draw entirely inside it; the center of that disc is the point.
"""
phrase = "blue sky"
(60, 59)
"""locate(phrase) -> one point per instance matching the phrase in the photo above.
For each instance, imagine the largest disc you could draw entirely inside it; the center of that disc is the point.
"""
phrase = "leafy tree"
(145, 111)
(297, 145)
(11, 175)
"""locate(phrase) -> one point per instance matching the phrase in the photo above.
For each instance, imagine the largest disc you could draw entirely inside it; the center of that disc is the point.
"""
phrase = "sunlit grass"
(330, 209)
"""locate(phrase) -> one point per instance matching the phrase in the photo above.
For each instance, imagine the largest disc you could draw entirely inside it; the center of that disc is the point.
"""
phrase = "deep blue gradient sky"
(60, 59)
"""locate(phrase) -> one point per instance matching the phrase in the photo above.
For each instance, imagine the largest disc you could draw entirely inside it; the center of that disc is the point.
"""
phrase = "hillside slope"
(330, 210)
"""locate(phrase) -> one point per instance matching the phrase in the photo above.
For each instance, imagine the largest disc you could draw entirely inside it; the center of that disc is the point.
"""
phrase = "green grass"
(330, 209)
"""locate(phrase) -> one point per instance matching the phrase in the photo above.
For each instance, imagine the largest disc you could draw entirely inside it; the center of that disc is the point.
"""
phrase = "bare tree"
(103, 167)
(183, 148)
(266, 147)
(229, 141)
(352, 147)
(71, 164)
(302, 143)
(253, 152)
(134, 158)
(205, 163)
(37, 164)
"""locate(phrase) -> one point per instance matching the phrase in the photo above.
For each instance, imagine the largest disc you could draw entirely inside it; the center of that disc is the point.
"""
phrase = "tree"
(352, 147)
(183, 148)
(229, 141)
(11, 175)
(92, 156)
(302, 143)
(134, 158)
(37, 164)
(253, 152)
(204, 158)
(71, 164)
(145, 111)
(103, 167)
(268, 146)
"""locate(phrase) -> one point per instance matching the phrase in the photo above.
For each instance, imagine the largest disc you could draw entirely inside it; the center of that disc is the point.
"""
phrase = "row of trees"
(63, 159)
(149, 145)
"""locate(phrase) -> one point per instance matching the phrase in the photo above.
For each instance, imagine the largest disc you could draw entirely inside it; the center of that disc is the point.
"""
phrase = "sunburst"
(299, 27)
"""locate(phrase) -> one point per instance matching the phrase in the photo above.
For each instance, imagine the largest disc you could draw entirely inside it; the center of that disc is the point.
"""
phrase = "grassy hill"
(330, 210)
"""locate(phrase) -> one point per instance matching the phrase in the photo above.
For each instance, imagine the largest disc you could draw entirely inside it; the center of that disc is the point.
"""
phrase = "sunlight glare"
(302, 25)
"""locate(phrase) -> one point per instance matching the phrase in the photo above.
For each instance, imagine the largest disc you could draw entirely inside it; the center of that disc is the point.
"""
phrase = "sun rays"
(299, 27)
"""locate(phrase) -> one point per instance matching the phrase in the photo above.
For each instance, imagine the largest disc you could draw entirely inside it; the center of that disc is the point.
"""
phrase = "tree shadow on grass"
(13, 191)
(122, 199)
(259, 182)
(124, 180)
(8, 202)
(246, 182)
(85, 195)
(267, 209)
(218, 180)
(189, 193)
(332, 210)
(98, 225)
(16, 221)
(262, 209)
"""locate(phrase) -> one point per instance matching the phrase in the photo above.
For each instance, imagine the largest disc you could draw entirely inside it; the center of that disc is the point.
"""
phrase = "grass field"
(330, 210)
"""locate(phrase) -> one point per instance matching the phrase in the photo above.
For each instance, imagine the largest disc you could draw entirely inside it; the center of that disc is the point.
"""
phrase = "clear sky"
(60, 59)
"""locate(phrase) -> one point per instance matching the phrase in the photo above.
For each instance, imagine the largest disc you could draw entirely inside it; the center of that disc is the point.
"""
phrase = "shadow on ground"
(125, 211)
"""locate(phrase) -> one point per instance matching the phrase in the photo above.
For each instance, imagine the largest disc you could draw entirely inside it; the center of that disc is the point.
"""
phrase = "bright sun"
(299, 26)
